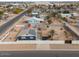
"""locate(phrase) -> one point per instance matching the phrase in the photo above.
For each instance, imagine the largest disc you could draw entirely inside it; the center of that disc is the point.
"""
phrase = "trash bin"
(68, 41)
(44, 38)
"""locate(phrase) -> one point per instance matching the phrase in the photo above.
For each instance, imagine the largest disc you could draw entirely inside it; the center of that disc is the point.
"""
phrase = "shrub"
(66, 12)
(1, 13)
(47, 17)
(17, 11)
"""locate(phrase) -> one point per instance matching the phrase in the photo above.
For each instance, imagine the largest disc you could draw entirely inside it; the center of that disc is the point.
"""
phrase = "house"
(66, 15)
(35, 14)
(26, 37)
(75, 14)
(69, 14)
(29, 34)
(34, 21)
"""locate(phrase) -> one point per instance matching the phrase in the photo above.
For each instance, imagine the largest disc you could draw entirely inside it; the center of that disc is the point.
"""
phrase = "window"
(31, 37)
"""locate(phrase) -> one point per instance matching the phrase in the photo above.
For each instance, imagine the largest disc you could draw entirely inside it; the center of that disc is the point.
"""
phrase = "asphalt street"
(39, 54)
(7, 25)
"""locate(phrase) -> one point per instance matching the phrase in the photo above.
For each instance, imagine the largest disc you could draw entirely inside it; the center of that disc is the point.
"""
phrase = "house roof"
(34, 18)
(27, 32)
(75, 14)
(64, 15)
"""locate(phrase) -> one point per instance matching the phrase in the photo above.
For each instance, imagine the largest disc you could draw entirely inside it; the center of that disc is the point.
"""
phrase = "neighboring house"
(75, 14)
(66, 15)
(27, 35)
(43, 16)
(35, 14)
(70, 20)
(77, 21)
(69, 14)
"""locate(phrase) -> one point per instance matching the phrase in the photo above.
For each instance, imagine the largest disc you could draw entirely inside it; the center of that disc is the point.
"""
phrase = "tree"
(1, 14)
(49, 21)
(64, 19)
(52, 33)
(54, 14)
(8, 6)
(54, 5)
(66, 11)
(17, 11)
(29, 11)
(65, 32)
(47, 17)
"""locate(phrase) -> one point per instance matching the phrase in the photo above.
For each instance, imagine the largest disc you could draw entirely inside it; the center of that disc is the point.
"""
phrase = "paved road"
(72, 30)
(40, 54)
(7, 25)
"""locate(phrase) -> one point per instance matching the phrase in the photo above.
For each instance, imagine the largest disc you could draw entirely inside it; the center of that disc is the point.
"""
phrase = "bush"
(47, 17)
(66, 12)
(1, 13)
(64, 19)
(29, 11)
(17, 11)
(49, 21)
(53, 14)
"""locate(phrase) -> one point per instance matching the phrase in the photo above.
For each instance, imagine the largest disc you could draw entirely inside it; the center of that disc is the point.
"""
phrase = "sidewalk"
(42, 46)
(73, 29)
